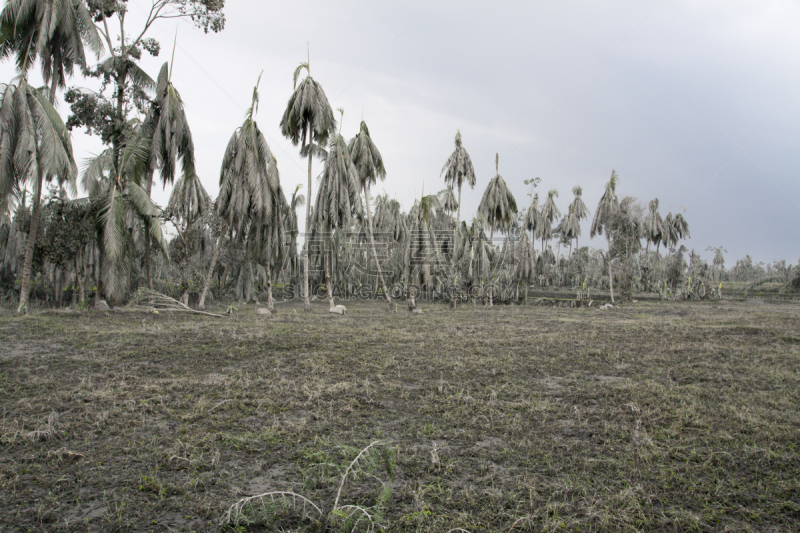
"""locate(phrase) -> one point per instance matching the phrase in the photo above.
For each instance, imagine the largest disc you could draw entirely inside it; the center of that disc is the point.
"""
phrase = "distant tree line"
(245, 244)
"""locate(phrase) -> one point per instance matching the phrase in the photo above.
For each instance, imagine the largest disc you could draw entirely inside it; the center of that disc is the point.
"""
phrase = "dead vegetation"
(648, 417)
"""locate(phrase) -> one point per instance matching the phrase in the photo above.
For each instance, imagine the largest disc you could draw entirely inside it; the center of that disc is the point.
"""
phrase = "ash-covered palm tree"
(603, 218)
(291, 228)
(308, 121)
(338, 197)
(54, 32)
(670, 232)
(116, 188)
(171, 139)
(458, 170)
(525, 268)
(550, 213)
(422, 250)
(369, 163)
(681, 227)
(653, 227)
(248, 181)
(533, 218)
(35, 147)
(579, 209)
(497, 206)
(390, 223)
(267, 239)
(188, 202)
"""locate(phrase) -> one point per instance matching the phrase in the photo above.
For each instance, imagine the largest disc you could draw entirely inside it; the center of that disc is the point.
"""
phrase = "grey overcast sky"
(695, 103)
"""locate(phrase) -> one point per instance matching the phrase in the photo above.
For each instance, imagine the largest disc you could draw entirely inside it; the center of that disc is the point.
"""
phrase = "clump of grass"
(290, 509)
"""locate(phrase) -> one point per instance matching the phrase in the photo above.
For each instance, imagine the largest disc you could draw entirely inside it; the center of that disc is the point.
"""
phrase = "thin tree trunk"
(491, 241)
(147, 240)
(202, 303)
(326, 263)
(306, 301)
(610, 273)
(270, 303)
(374, 253)
(569, 262)
(30, 244)
(224, 279)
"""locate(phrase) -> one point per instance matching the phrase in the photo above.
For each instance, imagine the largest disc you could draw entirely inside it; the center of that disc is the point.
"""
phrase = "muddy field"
(648, 417)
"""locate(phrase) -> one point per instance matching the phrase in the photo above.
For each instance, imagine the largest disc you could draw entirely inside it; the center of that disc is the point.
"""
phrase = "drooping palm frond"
(53, 31)
(447, 198)
(188, 200)
(119, 201)
(34, 142)
(168, 128)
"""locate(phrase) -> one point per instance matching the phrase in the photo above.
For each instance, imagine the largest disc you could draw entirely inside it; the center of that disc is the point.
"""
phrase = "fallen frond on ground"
(149, 300)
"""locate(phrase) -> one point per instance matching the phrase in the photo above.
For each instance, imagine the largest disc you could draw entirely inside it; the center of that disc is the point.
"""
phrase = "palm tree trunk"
(185, 296)
(569, 262)
(326, 261)
(306, 302)
(202, 303)
(458, 224)
(30, 244)
(491, 241)
(270, 303)
(374, 253)
(610, 274)
(147, 240)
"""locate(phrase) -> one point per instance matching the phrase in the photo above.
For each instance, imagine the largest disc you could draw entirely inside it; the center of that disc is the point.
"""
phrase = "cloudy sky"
(694, 103)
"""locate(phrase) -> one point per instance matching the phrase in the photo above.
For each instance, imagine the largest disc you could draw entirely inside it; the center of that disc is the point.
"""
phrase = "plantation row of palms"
(113, 240)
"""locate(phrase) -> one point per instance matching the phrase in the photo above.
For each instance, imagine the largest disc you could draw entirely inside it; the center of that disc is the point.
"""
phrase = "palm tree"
(248, 182)
(550, 213)
(34, 146)
(171, 139)
(291, 228)
(54, 32)
(525, 268)
(603, 218)
(309, 121)
(188, 202)
(267, 241)
(369, 163)
(653, 227)
(338, 197)
(458, 170)
(116, 187)
(681, 227)
(572, 222)
(533, 218)
(497, 205)
(579, 209)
